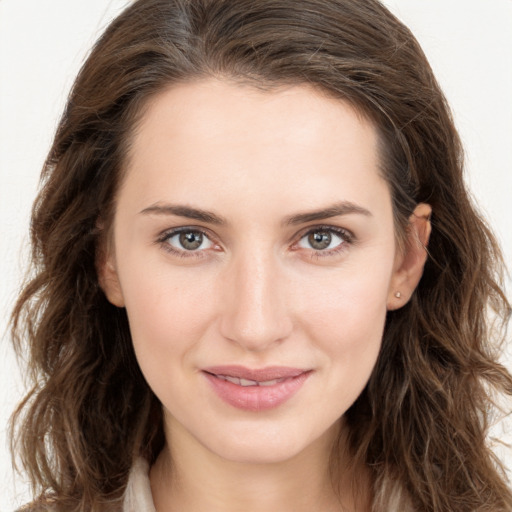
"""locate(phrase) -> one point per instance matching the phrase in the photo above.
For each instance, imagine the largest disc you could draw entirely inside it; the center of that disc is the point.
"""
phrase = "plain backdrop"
(43, 43)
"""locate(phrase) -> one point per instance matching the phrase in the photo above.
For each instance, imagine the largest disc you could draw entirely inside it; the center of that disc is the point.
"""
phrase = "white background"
(43, 43)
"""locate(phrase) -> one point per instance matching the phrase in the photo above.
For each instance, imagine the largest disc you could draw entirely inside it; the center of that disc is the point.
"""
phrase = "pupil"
(319, 240)
(191, 240)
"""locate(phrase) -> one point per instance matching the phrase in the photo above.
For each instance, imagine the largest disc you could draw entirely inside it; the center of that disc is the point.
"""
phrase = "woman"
(233, 307)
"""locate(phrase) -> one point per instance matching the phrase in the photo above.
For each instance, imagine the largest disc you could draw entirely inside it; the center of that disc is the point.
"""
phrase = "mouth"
(255, 389)
(249, 382)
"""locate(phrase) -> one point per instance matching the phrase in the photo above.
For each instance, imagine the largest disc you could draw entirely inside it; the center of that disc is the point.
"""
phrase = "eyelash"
(163, 240)
(346, 236)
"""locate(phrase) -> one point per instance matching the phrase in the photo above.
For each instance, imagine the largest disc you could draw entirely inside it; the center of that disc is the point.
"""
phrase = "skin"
(256, 292)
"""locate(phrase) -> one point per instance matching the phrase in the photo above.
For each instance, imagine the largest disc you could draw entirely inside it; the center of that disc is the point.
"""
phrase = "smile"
(255, 390)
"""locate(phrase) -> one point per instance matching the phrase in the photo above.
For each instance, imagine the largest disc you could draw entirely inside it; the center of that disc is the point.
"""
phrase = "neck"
(195, 479)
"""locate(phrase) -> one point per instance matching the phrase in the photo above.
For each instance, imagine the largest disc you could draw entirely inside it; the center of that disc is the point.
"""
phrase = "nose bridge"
(255, 313)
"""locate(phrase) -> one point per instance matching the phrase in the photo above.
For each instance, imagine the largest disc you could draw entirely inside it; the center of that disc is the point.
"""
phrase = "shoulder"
(137, 496)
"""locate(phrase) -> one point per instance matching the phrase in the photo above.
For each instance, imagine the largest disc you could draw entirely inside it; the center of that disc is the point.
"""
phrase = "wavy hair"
(421, 423)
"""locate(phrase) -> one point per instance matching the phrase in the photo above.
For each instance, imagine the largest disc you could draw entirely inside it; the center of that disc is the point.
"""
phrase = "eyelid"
(165, 235)
(347, 236)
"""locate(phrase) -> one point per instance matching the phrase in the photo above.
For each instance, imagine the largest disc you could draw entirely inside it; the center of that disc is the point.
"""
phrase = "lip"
(264, 394)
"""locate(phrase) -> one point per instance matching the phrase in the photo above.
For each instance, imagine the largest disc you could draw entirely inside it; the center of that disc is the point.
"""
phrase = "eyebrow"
(337, 209)
(185, 211)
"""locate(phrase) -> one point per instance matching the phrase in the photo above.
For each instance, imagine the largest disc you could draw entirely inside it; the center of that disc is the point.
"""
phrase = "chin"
(258, 454)
(270, 446)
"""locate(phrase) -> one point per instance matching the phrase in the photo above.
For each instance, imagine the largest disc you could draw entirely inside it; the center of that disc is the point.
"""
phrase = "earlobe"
(411, 260)
(107, 276)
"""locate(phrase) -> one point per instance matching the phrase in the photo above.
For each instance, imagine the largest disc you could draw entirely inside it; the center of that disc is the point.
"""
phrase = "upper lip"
(256, 374)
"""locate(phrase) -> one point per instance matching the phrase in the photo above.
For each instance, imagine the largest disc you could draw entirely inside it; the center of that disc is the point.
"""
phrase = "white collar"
(137, 497)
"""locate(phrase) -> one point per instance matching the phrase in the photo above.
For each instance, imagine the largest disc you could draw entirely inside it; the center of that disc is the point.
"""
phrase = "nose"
(255, 312)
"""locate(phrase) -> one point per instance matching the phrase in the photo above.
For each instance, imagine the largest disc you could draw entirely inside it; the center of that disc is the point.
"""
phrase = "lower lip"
(257, 398)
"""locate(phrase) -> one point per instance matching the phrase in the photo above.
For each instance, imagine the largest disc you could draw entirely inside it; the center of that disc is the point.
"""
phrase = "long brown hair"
(423, 418)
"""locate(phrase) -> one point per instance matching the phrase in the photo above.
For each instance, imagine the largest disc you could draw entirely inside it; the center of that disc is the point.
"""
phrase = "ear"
(410, 260)
(107, 272)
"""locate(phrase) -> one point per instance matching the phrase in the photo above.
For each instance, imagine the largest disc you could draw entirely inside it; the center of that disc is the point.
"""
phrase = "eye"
(188, 240)
(325, 239)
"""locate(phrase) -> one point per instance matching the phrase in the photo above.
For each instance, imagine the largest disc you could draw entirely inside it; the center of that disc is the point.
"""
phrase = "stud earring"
(398, 295)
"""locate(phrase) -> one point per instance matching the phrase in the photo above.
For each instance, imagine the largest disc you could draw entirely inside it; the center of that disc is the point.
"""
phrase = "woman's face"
(254, 251)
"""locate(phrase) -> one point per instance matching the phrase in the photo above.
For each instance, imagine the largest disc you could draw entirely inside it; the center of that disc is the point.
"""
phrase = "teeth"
(234, 380)
(248, 382)
(270, 382)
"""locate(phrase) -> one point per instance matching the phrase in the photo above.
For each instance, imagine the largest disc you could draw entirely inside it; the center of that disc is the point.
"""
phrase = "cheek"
(346, 322)
(349, 306)
(168, 315)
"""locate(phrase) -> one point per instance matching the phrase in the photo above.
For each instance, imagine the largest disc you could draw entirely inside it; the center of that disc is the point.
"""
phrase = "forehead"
(196, 136)
(205, 104)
